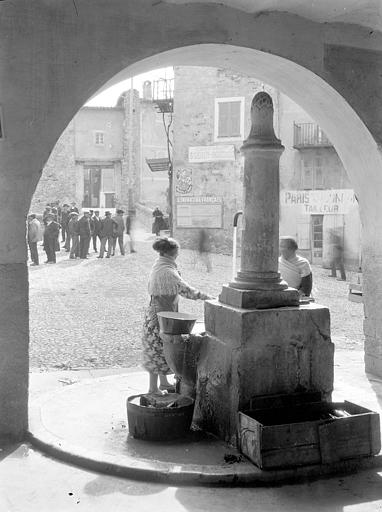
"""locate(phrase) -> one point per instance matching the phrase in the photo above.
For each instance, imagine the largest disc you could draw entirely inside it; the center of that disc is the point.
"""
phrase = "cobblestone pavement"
(87, 313)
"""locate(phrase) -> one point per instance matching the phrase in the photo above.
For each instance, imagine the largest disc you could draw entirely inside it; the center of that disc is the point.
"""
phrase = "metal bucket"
(159, 424)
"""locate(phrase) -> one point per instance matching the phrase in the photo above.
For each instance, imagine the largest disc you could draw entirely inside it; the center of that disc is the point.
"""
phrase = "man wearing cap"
(34, 236)
(96, 229)
(84, 232)
(74, 236)
(56, 204)
(51, 232)
(119, 228)
(106, 235)
(73, 208)
(47, 210)
(64, 225)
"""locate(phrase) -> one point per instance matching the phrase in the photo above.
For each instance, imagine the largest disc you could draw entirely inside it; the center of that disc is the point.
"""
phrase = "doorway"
(92, 185)
(99, 187)
(317, 230)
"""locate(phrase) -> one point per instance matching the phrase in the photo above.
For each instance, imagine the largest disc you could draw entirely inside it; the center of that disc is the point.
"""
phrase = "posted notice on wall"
(324, 202)
(199, 212)
(199, 154)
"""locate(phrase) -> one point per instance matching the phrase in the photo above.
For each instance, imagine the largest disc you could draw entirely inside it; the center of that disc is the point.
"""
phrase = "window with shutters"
(99, 138)
(318, 174)
(307, 175)
(312, 174)
(229, 119)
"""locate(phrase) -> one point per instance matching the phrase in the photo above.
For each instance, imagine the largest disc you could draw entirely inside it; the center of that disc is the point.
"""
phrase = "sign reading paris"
(335, 201)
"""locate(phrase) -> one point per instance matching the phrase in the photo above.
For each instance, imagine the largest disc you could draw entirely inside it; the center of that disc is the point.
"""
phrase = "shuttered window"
(229, 118)
(99, 138)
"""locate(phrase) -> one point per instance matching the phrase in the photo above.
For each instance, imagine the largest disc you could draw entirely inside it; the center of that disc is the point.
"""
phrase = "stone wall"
(59, 177)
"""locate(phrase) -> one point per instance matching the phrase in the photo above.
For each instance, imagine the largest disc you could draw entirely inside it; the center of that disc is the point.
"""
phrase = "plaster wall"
(54, 56)
(196, 90)
(60, 176)
(90, 120)
(63, 175)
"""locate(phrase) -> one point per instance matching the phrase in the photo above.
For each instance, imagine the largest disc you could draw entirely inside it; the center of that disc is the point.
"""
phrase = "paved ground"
(88, 313)
(86, 424)
(32, 482)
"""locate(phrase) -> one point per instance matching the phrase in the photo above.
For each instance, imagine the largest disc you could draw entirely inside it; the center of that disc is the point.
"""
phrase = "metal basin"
(171, 322)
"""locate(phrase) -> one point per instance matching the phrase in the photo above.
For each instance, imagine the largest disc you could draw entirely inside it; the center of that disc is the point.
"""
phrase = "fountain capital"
(262, 133)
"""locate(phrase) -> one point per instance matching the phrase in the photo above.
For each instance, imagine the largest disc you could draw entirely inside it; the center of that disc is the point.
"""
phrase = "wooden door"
(317, 239)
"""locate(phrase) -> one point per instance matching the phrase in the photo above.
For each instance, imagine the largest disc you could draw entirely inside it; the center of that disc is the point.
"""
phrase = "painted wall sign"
(324, 202)
(199, 212)
(183, 184)
(198, 154)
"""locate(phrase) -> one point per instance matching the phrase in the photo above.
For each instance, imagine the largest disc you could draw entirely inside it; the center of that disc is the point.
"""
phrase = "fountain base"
(259, 352)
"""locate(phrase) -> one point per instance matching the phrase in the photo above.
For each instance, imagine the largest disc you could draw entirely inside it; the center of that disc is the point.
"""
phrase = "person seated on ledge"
(164, 287)
(295, 269)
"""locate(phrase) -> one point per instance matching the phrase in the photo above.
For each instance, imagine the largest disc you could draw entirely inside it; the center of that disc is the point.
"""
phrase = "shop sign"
(199, 212)
(199, 154)
(324, 202)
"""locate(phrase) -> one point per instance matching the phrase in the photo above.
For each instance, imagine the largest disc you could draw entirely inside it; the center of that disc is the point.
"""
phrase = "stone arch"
(55, 58)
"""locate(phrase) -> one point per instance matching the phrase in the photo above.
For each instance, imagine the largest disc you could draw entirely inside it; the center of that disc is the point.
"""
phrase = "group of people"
(78, 231)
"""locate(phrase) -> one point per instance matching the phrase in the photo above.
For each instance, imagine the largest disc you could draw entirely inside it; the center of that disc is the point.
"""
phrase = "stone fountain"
(259, 339)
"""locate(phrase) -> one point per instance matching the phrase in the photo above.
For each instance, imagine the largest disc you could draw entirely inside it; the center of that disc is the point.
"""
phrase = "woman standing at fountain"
(164, 287)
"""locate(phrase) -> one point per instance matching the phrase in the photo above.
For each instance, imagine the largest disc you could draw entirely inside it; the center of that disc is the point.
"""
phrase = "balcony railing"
(309, 135)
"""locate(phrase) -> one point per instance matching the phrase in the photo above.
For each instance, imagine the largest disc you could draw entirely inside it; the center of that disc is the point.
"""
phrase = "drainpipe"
(234, 242)
(132, 183)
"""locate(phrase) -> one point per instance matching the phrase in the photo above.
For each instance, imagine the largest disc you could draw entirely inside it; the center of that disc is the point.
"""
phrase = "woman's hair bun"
(163, 245)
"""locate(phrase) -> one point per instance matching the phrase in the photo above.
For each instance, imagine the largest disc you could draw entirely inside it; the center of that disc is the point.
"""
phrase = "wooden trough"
(307, 433)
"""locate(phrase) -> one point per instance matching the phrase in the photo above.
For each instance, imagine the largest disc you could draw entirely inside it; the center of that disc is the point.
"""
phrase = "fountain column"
(259, 340)
(258, 283)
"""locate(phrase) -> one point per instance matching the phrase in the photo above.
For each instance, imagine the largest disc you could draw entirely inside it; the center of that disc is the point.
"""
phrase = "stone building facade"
(211, 120)
(85, 165)
(60, 174)
(99, 161)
